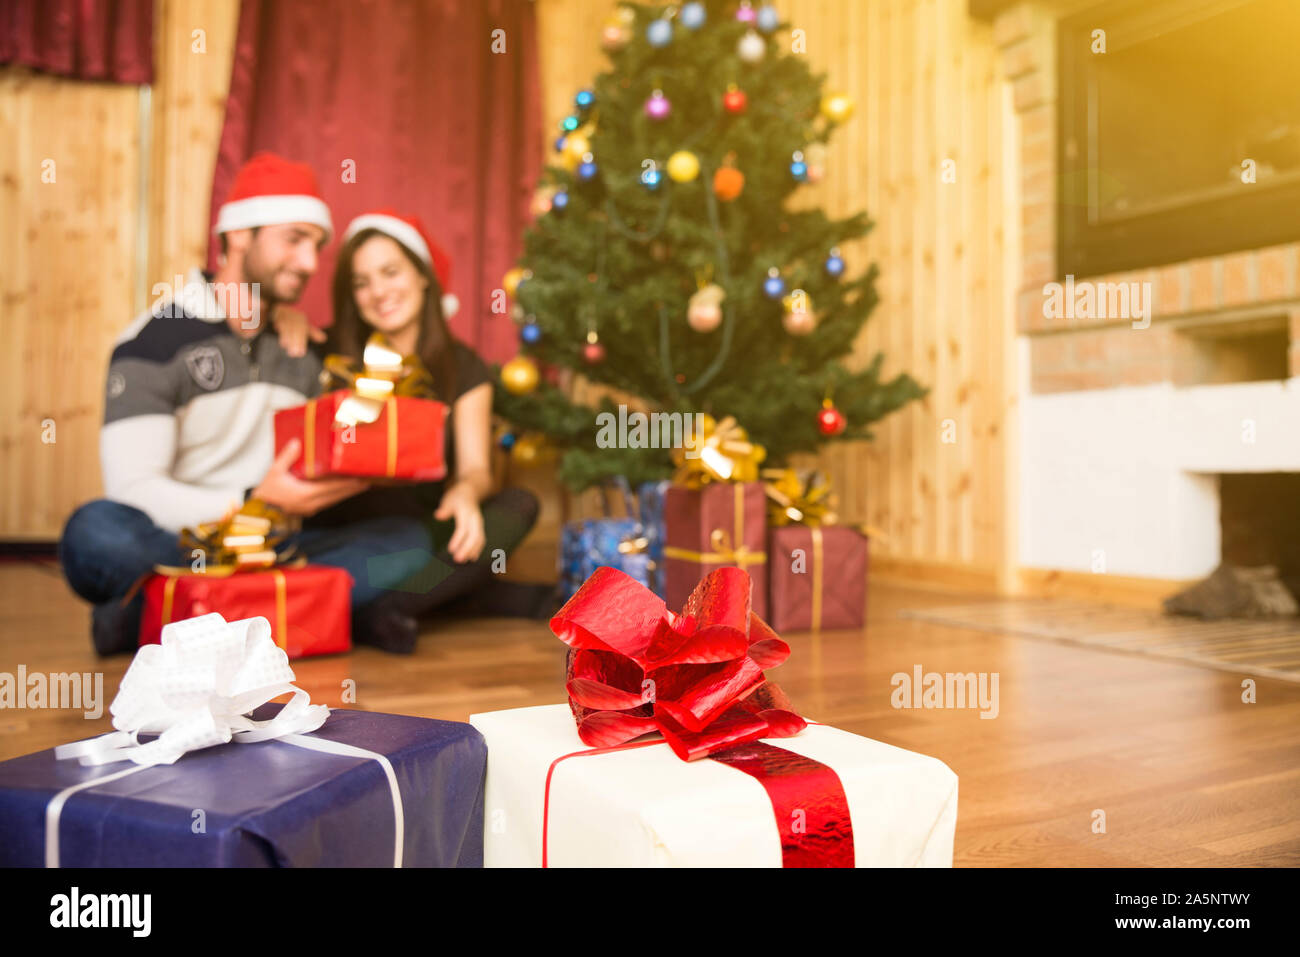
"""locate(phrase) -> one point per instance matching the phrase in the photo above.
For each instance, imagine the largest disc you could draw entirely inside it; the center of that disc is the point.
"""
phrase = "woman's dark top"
(418, 499)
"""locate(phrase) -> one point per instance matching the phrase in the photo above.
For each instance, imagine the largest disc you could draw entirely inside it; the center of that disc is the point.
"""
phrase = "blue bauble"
(507, 440)
(586, 170)
(835, 266)
(560, 200)
(569, 123)
(799, 170)
(768, 19)
(659, 33)
(559, 143)
(692, 16)
(531, 333)
(584, 99)
(774, 287)
(652, 178)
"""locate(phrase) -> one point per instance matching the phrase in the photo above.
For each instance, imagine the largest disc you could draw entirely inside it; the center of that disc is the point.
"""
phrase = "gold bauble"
(527, 450)
(511, 280)
(683, 166)
(837, 107)
(575, 145)
(519, 375)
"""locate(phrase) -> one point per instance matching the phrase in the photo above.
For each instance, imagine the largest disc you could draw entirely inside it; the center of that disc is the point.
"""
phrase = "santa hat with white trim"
(270, 190)
(410, 232)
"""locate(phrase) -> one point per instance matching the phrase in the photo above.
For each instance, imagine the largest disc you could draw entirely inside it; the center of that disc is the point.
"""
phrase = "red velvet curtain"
(409, 96)
(82, 39)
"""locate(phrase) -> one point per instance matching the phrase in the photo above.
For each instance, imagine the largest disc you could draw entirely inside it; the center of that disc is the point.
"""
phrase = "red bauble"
(735, 101)
(831, 421)
(593, 353)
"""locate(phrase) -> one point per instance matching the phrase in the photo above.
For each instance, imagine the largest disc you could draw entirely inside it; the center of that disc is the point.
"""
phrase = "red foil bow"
(697, 677)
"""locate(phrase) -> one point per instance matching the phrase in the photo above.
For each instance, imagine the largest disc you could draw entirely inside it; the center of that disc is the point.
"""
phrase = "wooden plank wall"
(924, 77)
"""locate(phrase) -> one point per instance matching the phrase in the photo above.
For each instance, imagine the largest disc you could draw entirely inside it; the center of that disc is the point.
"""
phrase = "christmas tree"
(664, 264)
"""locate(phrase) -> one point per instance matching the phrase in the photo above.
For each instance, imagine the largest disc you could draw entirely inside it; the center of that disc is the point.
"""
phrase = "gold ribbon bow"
(799, 497)
(385, 374)
(720, 452)
(246, 538)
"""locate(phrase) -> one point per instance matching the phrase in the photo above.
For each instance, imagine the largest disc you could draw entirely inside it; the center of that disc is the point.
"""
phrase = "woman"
(391, 278)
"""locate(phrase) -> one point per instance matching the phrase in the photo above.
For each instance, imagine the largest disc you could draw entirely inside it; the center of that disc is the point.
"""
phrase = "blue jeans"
(106, 546)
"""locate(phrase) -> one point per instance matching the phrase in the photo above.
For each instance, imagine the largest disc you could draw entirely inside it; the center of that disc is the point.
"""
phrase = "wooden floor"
(1186, 773)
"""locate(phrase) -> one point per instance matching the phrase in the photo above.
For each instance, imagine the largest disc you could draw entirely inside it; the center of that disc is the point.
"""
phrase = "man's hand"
(303, 496)
(294, 330)
(467, 540)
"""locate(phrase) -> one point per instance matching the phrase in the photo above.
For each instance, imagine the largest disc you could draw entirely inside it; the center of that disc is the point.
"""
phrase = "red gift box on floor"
(720, 523)
(309, 608)
(825, 586)
(405, 442)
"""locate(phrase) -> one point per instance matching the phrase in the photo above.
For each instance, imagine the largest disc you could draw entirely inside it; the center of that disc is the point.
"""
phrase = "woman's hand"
(461, 504)
(293, 330)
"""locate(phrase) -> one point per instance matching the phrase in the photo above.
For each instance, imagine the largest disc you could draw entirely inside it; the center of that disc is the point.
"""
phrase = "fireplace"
(1179, 131)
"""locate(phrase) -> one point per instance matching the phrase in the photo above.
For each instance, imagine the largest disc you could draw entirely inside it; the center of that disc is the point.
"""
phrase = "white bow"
(195, 690)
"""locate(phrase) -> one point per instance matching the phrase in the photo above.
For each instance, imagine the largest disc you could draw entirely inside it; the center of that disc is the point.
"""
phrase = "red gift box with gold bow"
(385, 425)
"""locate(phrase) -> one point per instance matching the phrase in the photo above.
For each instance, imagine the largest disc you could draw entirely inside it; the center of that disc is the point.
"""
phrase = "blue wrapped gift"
(363, 790)
(634, 545)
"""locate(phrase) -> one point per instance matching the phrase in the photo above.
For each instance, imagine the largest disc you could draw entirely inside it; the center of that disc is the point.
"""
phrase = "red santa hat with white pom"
(269, 190)
(410, 232)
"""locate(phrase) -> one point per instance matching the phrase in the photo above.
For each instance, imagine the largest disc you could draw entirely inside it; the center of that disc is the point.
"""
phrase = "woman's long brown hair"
(348, 335)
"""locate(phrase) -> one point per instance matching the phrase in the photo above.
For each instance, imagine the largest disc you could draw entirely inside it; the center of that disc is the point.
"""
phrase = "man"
(188, 430)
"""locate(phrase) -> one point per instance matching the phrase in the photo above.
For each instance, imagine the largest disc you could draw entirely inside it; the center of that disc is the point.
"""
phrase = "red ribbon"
(697, 678)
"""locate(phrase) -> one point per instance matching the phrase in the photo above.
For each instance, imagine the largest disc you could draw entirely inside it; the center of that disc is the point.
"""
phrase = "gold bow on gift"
(719, 452)
(245, 539)
(804, 497)
(799, 497)
(386, 374)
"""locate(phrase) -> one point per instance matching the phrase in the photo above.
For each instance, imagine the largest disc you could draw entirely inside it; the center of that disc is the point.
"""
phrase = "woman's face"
(388, 289)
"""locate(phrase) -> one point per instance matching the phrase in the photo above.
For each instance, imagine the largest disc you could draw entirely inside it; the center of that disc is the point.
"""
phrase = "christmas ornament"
(745, 13)
(837, 107)
(652, 177)
(683, 166)
(584, 99)
(815, 158)
(587, 168)
(734, 100)
(519, 375)
(692, 16)
(530, 333)
(560, 201)
(617, 30)
(513, 278)
(541, 204)
(559, 144)
(728, 183)
(658, 106)
(659, 33)
(834, 263)
(526, 450)
(507, 440)
(569, 124)
(576, 146)
(799, 319)
(593, 352)
(767, 19)
(830, 420)
(774, 285)
(704, 311)
(751, 47)
(798, 168)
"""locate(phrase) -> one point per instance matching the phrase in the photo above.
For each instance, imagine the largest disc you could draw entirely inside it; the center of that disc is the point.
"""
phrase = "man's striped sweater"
(188, 414)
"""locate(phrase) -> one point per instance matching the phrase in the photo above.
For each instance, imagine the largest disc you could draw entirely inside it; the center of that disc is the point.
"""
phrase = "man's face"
(281, 258)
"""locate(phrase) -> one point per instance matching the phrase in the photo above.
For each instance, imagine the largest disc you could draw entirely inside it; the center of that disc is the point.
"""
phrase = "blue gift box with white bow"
(362, 790)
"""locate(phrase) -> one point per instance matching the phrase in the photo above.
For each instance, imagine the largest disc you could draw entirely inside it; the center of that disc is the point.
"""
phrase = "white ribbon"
(195, 690)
